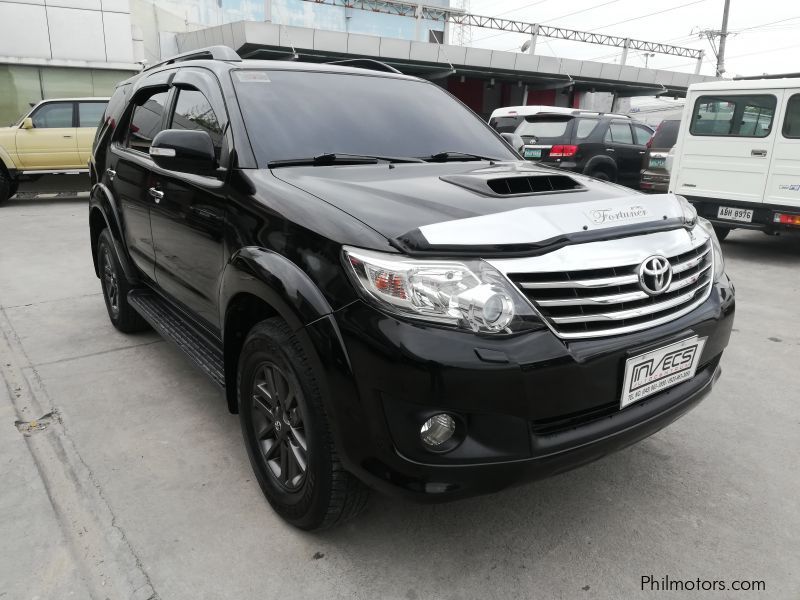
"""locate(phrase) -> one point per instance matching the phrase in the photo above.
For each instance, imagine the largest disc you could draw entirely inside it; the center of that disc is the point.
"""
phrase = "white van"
(737, 158)
(506, 119)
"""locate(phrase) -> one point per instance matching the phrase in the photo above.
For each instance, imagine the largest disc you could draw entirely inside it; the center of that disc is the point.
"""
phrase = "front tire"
(7, 187)
(116, 287)
(286, 432)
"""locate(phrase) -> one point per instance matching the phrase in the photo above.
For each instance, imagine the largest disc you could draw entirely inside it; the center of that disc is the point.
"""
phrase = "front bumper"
(530, 406)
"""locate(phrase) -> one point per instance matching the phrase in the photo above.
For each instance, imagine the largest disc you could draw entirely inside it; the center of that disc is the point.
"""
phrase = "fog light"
(437, 430)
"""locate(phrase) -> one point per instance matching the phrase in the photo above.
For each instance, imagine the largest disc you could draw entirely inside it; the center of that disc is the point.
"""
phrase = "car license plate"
(658, 163)
(735, 214)
(655, 371)
(533, 153)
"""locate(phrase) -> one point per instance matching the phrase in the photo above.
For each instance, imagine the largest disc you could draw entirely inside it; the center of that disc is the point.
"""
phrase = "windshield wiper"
(450, 155)
(342, 158)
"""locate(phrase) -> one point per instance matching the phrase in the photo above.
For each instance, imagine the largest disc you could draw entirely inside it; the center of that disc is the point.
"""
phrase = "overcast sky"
(767, 36)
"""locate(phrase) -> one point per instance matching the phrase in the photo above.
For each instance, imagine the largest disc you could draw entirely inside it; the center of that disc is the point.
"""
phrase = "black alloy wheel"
(116, 287)
(286, 431)
(278, 426)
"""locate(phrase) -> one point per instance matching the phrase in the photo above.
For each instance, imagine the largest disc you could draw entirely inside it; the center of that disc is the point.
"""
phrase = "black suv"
(388, 295)
(603, 146)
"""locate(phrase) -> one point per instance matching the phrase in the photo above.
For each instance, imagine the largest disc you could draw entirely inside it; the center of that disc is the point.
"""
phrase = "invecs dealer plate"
(657, 370)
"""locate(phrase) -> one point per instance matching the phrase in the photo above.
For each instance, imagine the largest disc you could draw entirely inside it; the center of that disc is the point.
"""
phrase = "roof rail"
(212, 53)
(773, 76)
(365, 63)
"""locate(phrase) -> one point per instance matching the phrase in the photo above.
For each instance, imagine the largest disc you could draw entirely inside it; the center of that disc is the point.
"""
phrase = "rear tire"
(286, 432)
(722, 232)
(601, 175)
(116, 287)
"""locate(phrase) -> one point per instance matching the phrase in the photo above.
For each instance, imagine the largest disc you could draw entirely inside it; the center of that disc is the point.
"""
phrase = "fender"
(102, 200)
(600, 160)
(8, 163)
(294, 296)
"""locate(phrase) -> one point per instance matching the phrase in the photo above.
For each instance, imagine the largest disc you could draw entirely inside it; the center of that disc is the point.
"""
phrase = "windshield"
(299, 114)
(544, 129)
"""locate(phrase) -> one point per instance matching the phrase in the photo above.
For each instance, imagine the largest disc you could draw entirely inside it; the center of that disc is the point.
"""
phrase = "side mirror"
(513, 140)
(27, 123)
(186, 151)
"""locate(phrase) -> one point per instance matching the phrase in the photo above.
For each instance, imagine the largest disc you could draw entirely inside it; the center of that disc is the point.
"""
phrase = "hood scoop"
(522, 184)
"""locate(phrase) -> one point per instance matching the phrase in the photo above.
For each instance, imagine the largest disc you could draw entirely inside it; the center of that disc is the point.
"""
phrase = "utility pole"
(712, 34)
(723, 36)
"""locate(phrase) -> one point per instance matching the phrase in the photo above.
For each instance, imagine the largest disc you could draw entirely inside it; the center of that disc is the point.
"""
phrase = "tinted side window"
(585, 127)
(642, 134)
(739, 116)
(666, 135)
(621, 133)
(90, 113)
(791, 123)
(193, 111)
(54, 114)
(146, 122)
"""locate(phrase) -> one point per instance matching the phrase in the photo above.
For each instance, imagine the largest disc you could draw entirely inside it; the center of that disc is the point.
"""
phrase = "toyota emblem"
(655, 275)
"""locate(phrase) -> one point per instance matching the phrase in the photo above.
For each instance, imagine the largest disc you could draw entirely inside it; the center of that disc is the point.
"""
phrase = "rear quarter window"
(733, 115)
(666, 135)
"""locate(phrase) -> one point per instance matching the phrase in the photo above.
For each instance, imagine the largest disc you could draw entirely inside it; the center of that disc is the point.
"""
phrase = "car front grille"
(609, 301)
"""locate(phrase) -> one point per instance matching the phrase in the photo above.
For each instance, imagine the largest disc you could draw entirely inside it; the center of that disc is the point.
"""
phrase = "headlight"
(689, 211)
(719, 260)
(469, 294)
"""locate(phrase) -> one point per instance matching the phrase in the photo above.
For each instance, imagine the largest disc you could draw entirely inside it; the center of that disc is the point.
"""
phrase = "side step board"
(173, 327)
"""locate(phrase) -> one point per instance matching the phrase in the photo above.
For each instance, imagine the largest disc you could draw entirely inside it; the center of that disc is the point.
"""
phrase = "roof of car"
(747, 84)
(86, 99)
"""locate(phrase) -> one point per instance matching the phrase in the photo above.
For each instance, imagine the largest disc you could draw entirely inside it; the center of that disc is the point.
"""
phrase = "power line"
(531, 5)
(580, 12)
(652, 14)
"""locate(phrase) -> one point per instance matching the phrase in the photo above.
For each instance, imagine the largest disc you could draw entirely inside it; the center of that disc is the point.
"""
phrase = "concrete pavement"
(144, 456)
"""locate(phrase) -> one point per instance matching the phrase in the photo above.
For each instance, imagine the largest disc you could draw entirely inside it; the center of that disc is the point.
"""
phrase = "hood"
(464, 206)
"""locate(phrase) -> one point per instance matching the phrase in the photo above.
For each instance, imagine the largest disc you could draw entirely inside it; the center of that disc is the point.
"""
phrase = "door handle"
(157, 195)
(610, 150)
(642, 152)
(111, 174)
(758, 152)
(66, 136)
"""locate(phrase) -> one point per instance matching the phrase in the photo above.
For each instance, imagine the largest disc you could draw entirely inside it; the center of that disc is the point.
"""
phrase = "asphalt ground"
(133, 481)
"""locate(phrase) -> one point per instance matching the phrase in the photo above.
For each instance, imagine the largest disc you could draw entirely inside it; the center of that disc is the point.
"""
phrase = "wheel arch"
(258, 284)
(601, 162)
(102, 215)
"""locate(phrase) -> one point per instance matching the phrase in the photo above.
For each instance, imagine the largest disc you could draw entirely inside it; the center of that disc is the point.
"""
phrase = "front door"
(131, 176)
(188, 217)
(783, 185)
(51, 144)
(727, 151)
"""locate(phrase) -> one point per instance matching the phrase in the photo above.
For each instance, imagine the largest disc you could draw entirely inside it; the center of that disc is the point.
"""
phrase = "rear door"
(89, 115)
(50, 144)
(727, 150)
(130, 173)
(783, 186)
(622, 146)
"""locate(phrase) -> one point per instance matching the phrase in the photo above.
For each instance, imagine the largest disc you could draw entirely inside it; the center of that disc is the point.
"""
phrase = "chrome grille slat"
(685, 266)
(583, 303)
(633, 313)
(581, 283)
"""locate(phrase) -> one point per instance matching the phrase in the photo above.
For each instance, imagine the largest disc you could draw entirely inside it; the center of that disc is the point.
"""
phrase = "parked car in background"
(655, 176)
(737, 158)
(422, 313)
(604, 146)
(55, 136)
(508, 118)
